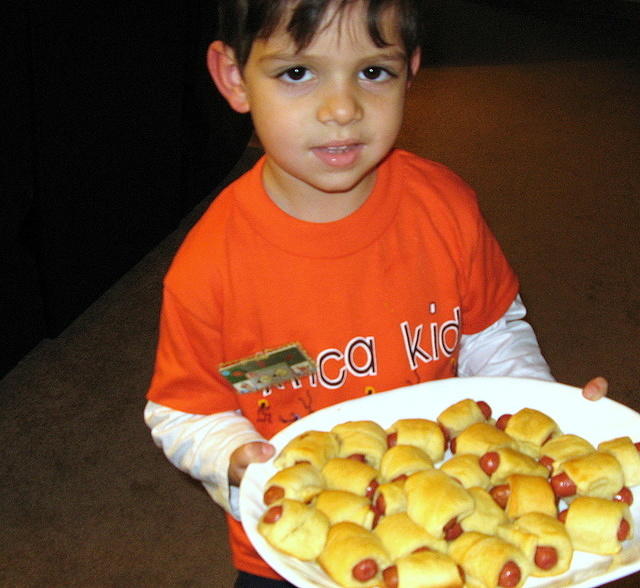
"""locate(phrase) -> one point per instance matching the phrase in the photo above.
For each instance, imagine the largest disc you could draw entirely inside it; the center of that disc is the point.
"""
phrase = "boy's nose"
(340, 105)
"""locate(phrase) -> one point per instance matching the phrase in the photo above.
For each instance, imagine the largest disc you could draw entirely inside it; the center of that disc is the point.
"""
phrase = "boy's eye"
(296, 74)
(375, 74)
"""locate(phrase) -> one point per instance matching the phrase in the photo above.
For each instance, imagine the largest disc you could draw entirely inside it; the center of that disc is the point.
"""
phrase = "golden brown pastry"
(340, 506)
(486, 515)
(465, 468)
(424, 569)
(531, 428)
(353, 556)
(562, 448)
(421, 433)
(437, 502)
(401, 461)
(364, 440)
(501, 463)
(390, 498)
(543, 539)
(597, 474)
(314, 447)
(295, 528)
(489, 561)
(298, 482)
(457, 417)
(628, 454)
(521, 494)
(459, 547)
(480, 438)
(598, 525)
(342, 473)
(400, 536)
(393, 535)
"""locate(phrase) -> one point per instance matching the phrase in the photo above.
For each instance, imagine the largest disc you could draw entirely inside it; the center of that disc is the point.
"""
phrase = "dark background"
(114, 132)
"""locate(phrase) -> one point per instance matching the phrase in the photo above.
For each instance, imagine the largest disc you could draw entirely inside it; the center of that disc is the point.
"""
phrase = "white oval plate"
(595, 421)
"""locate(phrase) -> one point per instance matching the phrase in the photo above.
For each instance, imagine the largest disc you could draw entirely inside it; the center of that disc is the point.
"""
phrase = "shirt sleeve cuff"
(508, 347)
(201, 446)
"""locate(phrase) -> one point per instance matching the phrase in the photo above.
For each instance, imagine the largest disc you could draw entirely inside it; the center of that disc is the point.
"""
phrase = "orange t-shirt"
(378, 299)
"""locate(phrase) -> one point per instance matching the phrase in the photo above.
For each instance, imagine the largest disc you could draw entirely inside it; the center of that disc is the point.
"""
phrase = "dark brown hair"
(241, 22)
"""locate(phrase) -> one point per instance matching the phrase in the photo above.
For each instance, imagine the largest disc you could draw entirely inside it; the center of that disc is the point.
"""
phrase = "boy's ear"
(227, 75)
(414, 63)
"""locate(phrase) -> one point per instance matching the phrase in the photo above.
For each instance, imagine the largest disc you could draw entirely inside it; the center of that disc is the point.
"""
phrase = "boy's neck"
(310, 204)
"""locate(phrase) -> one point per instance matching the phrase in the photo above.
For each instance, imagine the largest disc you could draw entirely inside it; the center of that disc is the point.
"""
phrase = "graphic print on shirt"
(307, 404)
(264, 411)
(441, 340)
(334, 366)
(423, 343)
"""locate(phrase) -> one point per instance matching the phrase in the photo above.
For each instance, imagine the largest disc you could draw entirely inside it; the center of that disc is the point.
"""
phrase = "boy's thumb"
(254, 452)
(260, 451)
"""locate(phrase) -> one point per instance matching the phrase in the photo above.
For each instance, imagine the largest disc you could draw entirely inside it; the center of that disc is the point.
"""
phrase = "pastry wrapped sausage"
(457, 417)
(400, 535)
(562, 448)
(390, 498)
(437, 502)
(424, 569)
(522, 494)
(421, 433)
(401, 461)
(364, 440)
(480, 438)
(486, 515)
(466, 469)
(543, 539)
(597, 474)
(598, 525)
(342, 473)
(298, 482)
(314, 447)
(295, 528)
(340, 506)
(490, 561)
(501, 463)
(353, 556)
(531, 428)
(628, 454)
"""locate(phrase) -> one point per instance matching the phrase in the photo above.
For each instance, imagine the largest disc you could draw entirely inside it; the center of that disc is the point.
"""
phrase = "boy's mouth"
(338, 154)
(338, 149)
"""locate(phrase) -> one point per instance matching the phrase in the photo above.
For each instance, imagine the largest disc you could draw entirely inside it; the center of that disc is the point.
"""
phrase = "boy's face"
(327, 115)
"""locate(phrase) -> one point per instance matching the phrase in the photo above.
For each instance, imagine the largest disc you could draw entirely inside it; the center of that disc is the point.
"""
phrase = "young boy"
(376, 261)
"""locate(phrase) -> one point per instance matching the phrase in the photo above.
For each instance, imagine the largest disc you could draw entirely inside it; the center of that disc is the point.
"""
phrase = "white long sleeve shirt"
(201, 445)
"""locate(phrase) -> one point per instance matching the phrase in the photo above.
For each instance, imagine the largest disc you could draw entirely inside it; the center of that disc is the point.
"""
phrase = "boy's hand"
(257, 451)
(596, 388)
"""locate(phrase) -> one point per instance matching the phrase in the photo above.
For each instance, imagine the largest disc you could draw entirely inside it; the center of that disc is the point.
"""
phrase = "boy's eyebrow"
(384, 55)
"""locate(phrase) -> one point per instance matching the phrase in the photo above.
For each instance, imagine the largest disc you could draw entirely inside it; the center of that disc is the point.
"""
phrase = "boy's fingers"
(257, 451)
(596, 388)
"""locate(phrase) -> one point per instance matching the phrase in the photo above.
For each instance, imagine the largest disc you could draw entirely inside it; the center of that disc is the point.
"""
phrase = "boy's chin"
(345, 186)
(325, 180)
